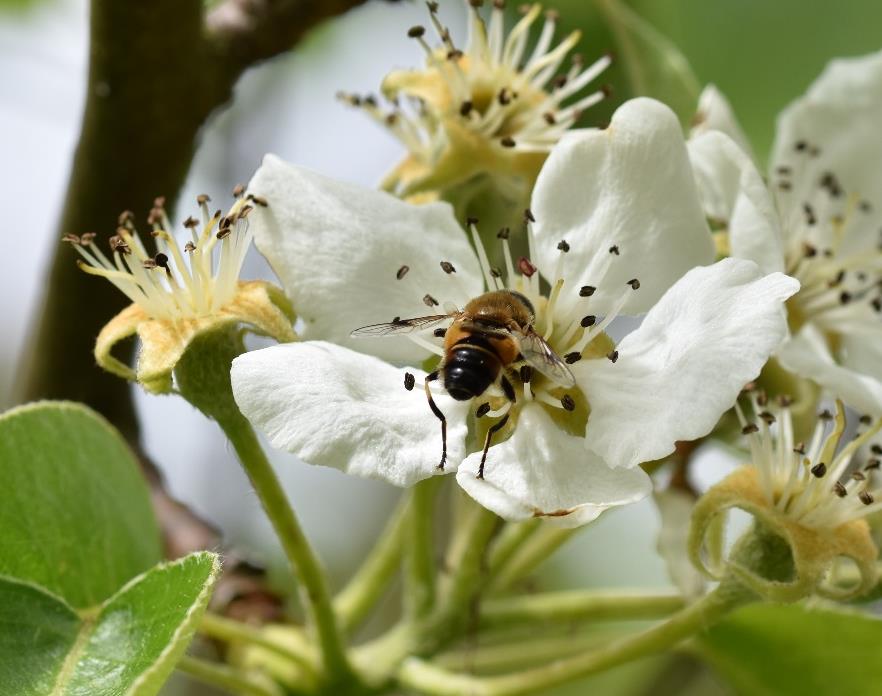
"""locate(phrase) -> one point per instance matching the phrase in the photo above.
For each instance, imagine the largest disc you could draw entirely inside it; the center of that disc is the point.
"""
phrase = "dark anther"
(447, 267)
(258, 200)
(526, 374)
(784, 171)
(549, 118)
(429, 301)
(865, 419)
(224, 232)
(495, 272)
(563, 246)
(503, 233)
(71, 239)
(471, 221)
(409, 381)
(161, 260)
(567, 402)
(587, 321)
(87, 238)
(858, 476)
(613, 355)
(614, 249)
(439, 333)
(499, 4)
(455, 54)
(433, 7)
(634, 283)
(482, 410)
(507, 141)
(238, 190)
(416, 32)
(876, 449)
(799, 448)
(809, 251)
(559, 81)
(202, 199)
(784, 400)
(587, 291)
(528, 215)
(402, 272)
(839, 489)
(244, 211)
(118, 244)
(825, 415)
(801, 146)
(749, 428)
(466, 108)
(873, 464)
(810, 216)
(526, 267)
(865, 497)
(397, 320)
(191, 222)
(189, 247)
(573, 357)
(767, 417)
(876, 303)
(844, 297)
(504, 96)
(819, 469)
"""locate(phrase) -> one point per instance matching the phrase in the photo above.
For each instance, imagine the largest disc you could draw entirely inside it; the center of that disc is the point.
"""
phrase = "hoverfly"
(482, 345)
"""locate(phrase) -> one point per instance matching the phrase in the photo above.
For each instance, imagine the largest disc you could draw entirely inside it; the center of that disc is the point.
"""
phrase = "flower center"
(832, 246)
(819, 484)
(175, 283)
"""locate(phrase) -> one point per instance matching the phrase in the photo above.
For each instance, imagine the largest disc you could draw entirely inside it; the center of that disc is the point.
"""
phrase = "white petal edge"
(807, 355)
(542, 471)
(715, 113)
(337, 249)
(334, 407)
(685, 365)
(629, 185)
(734, 192)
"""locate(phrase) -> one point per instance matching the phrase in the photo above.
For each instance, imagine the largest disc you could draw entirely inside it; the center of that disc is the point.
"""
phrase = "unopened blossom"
(816, 494)
(494, 103)
(615, 228)
(819, 220)
(179, 292)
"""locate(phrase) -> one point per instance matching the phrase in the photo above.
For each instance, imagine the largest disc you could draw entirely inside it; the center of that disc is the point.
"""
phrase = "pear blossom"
(486, 105)
(179, 293)
(819, 220)
(615, 228)
(817, 494)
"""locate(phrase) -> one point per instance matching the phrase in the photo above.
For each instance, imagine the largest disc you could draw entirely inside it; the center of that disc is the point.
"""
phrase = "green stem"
(228, 678)
(529, 555)
(513, 536)
(353, 603)
(419, 557)
(429, 679)
(230, 631)
(203, 377)
(578, 605)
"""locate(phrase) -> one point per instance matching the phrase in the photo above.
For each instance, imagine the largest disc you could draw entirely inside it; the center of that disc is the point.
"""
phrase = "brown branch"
(157, 70)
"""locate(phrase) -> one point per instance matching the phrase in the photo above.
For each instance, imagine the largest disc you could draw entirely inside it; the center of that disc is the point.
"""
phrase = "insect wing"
(540, 356)
(401, 326)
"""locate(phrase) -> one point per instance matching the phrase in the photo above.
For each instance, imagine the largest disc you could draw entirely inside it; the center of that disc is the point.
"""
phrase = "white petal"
(734, 192)
(337, 249)
(840, 114)
(862, 351)
(541, 470)
(675, 513)
(706, 338)
(807, 355)
(629, 185)
(334, 407)
(715, 113)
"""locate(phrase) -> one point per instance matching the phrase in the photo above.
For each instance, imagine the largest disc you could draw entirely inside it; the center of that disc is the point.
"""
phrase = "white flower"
(820, 223)
(486, 105)
(178, 293)
(617, 222)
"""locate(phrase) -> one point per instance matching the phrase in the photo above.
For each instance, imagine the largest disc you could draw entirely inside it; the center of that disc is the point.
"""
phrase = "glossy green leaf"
(128, 645)
(75, 512)
(766, 650)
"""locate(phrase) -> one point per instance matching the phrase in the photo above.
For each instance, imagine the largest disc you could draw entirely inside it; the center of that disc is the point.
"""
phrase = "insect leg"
(431, 377)
(493, 428)
(507, 388)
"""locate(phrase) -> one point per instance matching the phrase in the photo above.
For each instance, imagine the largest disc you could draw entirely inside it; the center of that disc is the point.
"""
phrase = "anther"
(71, 239)
(416, 32)
(749, 429)
(433, 7)
(876, 449)
(161, 260)
(429, 301)
(118, 244)
(401, 272)
(549, 118)
(482, 410)
(471, 221)
(819, 469)
(455, 54)
(587, 321)
(613, 356)
(799, 448)
(801, 146)
(258, 200)
(439, 333)
(845, 297)
(573, 357)
(87, 238)
(872, 464)
(614, 249)
(567, 402)
(224, 232)
(238, 190)
(507, 141)
(504, 96)
(865, 497)
(839, 489)
(587, 291)
(563, 246)
(125, 216)
(858, 476)
(559, 81)
(202, 199)
(503, 233)
(528, 215)
(159, 202)
(189, 247)
(809, 251)
(634, 283)
(466, 108)
(825, 415)
(767, 417)
(784, 400)
(191, 222)
(447, 267)
(409, 381)
(526, 373)
(526, 267)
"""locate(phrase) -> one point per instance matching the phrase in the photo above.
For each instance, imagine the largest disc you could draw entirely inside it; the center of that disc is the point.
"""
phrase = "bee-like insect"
(483, 344)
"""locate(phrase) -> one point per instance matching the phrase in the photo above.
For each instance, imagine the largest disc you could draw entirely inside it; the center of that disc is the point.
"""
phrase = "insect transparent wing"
(401, 326)
(540, 356)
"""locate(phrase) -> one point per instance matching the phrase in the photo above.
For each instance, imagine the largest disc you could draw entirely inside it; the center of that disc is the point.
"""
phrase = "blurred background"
(761, 54)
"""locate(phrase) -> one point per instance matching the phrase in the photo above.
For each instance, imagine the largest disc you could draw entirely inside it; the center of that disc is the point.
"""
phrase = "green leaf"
(75, 511)
(128, 645)
(655, 67)
(767, 650)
